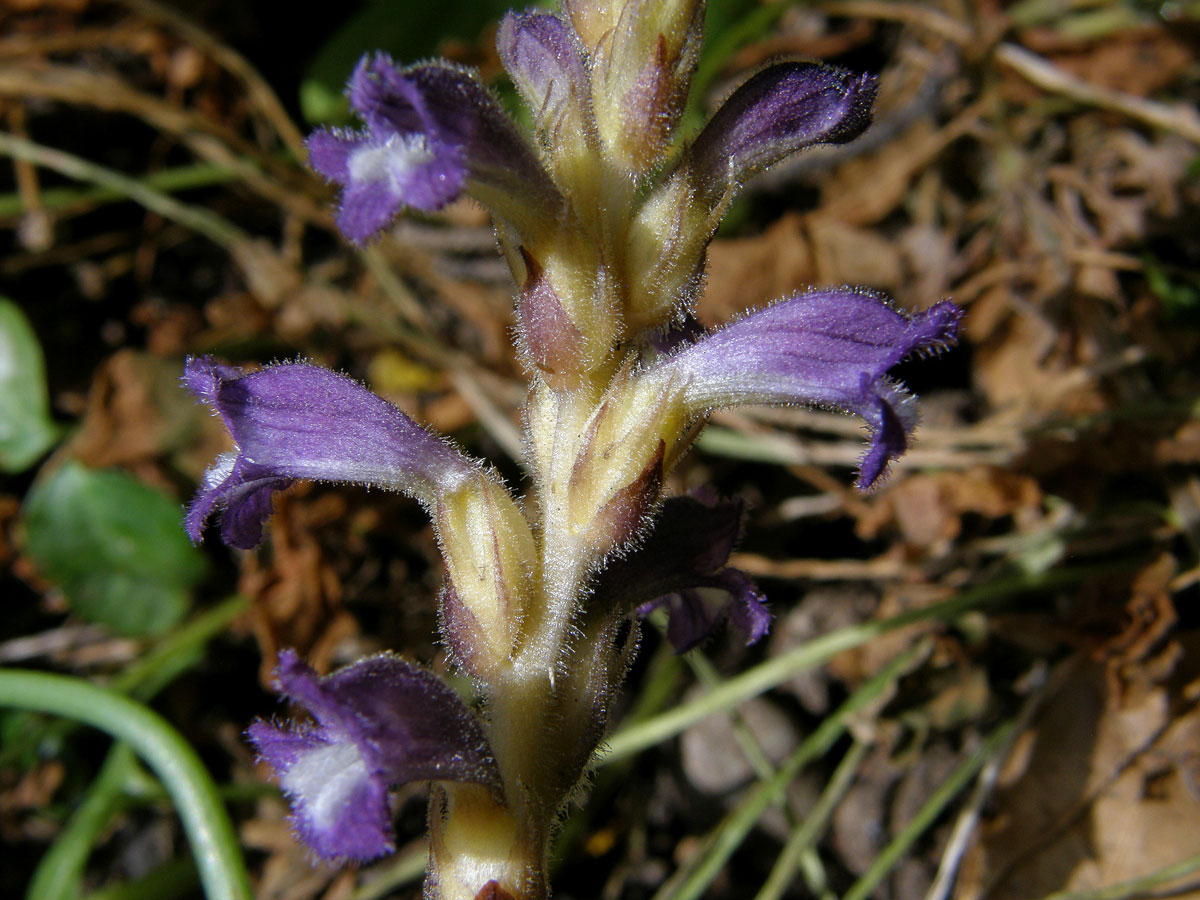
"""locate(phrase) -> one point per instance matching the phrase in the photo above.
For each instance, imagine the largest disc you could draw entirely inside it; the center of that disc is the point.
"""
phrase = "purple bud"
(545, 61)
(682, 565)
(379, 722)
(433, 132)
(778, 111)
(825, 348)
(295, 421)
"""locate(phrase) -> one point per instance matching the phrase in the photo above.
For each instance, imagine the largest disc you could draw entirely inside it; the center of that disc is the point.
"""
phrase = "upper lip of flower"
(297, 420)
(828, 348)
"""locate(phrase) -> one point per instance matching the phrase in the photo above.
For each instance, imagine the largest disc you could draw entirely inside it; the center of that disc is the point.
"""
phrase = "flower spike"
(828, 348)
(295, 421)
(379, 722)
(433, 132)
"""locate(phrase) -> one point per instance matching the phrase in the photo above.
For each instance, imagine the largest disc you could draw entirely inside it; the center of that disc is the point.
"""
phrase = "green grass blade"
(59, 873)
(214, 842)
(691, 882)
(634, 738)
(1140, 886)
(995, 743)
(171, 880)
(208, 223)
(805, 836)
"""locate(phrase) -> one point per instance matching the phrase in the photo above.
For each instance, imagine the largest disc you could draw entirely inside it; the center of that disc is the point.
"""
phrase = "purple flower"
(778, 111)
(682, 565)
(433, 132)
(828, 348)
(378, 723)
(297, 420)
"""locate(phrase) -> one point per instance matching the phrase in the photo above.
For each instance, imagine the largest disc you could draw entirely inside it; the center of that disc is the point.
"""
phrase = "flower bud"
(641, 72)
(626, 448)
(550, 338)
(545, 60)
(567, 317)
(488, 549)
(665, 253)
(476, 848)
(593, 19)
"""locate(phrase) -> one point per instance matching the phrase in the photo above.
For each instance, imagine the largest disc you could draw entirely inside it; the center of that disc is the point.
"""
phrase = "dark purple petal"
(746, 608)
(778, 111)
(545, 62)
(693, 615)
(244, 491)
(433, 132)
(675, 336)
(295, 421)
(379, 722)
(682, 565)
(824, 348)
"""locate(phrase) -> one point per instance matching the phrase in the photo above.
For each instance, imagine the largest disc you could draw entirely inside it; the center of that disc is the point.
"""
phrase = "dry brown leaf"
(1181, 448)
(930, 260)
(1100, 790)
(1138, 61)
(290, 871)
(845, 254)
(865, 191)
(137, 412)
(296, 591)
(744, 273)
(1018, 367)
(928, 508)
(10, 506)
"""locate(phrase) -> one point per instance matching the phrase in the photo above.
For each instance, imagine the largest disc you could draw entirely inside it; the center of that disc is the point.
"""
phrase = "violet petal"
(379, 722)
(693, 615)
(295, 421)
(828, 348)
(682, 565)
(776, 112)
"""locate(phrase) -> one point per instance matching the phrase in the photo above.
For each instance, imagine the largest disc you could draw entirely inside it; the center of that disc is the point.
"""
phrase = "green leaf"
(26, 429)
(407, 31)
(114, 546)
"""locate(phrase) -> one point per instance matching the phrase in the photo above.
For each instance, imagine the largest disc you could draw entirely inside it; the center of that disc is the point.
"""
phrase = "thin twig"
(1180, 119)
(920, 15)
(209, 140)
(490, 416)
(259, 91)
(211, 225)
(968, 820)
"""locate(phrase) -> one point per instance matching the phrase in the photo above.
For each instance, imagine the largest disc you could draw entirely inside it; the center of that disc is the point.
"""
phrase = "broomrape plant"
(604, 223)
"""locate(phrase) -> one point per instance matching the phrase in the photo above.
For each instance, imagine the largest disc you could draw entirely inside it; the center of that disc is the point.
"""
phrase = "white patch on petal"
(389, 161)
(221, 469)
(323, 780)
